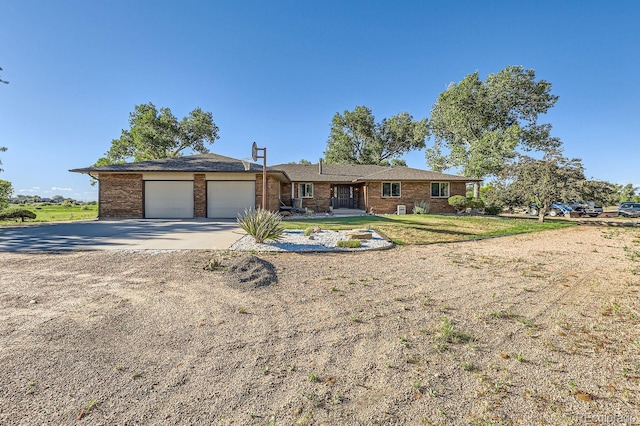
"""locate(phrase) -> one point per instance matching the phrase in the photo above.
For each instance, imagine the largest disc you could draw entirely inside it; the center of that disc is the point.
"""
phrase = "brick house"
(374, 189)
(215, 186)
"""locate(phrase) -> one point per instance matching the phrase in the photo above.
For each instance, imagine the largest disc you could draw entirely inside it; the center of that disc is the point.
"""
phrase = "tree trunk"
(476, 190)
(541, 215)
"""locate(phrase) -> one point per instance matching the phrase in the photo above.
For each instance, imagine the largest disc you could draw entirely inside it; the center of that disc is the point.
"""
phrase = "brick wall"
(285, 193)
(321, 200)
(199, 195)
(411, 192)
(273, 187)
(120, 196)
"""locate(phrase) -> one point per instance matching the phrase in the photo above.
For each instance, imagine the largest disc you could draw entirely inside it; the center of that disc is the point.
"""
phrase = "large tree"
(6, 192)
(626, 192)
(356, 138)
(2, 149)
(477, 125)
(543, 181)
(156, 134)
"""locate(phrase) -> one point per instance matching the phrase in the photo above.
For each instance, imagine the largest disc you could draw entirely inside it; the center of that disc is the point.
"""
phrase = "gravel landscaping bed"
(323, 240)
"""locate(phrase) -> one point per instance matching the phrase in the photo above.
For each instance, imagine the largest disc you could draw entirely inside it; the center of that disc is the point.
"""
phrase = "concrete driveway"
(125, 234)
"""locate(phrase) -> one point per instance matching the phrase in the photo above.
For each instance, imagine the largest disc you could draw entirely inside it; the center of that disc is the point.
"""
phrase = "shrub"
(349, 243)
(458, 202)
(493, 210)
(14, 213)
(261, 224)
(421, 207)
(475, 203)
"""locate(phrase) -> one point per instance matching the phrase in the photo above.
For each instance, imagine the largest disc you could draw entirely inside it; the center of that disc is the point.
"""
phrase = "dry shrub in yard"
(261, 224)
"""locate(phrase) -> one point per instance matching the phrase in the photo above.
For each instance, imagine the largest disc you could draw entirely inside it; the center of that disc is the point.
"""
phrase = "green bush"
(458, 202)
(493, 210)
(261, 224)
(475, 203)
(14, 213)
(349, 243)
(421, 207)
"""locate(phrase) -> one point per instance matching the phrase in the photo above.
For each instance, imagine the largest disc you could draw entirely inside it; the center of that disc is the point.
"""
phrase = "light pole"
(255, 156)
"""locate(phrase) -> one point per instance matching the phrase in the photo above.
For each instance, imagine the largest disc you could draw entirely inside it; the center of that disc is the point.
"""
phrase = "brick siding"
(273, 186)
(120, 196)
(199, 195)
(411, 192)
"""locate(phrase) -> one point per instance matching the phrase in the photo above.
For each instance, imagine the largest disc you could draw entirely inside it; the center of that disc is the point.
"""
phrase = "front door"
(344, 199)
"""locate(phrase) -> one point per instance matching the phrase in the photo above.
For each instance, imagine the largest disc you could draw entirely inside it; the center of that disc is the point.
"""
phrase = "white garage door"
(168, 199)
(225, 199)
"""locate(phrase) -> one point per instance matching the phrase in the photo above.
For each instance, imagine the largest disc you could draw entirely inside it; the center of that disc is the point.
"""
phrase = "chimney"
(320, 166)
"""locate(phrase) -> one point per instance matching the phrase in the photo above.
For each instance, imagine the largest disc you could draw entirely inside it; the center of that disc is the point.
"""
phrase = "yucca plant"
(261, 224)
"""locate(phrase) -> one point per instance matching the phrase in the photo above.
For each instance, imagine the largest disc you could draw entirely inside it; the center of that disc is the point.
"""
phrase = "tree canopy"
(2, 149)
(477, 125)
(6, 192)
(544, 181)
(156, 134)
(356, 138)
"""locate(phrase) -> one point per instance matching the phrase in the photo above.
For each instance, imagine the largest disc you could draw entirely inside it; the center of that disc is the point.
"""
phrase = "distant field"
(57, 213)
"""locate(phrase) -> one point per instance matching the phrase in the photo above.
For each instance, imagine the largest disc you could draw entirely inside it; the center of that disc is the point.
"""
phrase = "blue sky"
(277, 71)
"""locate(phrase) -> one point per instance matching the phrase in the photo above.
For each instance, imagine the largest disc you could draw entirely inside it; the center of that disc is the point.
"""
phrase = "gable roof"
(191, 163)
(349, 173)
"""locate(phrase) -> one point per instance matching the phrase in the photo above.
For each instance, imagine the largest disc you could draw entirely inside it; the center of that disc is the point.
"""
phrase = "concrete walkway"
(125, 234)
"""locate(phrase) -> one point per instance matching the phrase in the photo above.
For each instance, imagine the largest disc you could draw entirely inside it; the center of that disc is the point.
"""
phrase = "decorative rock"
(315, 229)
(311, 237)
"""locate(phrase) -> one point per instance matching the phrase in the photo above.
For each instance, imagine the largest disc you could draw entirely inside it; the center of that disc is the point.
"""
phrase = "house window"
(305, 190)
(391, 189)
(440, 189)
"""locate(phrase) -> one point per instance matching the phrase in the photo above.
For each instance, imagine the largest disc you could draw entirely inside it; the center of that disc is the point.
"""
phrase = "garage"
(168, 199)
(225, 199)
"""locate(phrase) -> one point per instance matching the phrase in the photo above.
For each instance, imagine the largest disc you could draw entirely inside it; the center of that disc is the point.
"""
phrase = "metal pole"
(264, 178)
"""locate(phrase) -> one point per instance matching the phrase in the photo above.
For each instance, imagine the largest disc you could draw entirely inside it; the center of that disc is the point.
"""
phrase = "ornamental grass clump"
(261, 224)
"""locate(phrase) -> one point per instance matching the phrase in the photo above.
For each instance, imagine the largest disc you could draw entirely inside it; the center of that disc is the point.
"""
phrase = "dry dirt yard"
(532, 329)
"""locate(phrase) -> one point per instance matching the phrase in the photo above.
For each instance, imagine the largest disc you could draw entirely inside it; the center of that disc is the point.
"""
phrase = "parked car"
(556, 209)
(586, 208)
(629, 209)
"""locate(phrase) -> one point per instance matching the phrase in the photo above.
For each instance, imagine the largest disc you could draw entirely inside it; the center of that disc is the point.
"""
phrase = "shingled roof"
(334, 173)
(348, 173)
(201, 163)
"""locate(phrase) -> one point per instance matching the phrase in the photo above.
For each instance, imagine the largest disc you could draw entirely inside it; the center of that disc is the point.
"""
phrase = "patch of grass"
(513, 316)
(241, 310)
(450, 334)
(313, 378)
(57, 213)
(90, 405)
(349, 243)
(429, 229)
(468, 366)
(213, 265)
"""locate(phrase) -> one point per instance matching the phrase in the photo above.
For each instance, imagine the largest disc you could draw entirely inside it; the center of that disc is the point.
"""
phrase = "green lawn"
(428, 229)
(57, 213)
